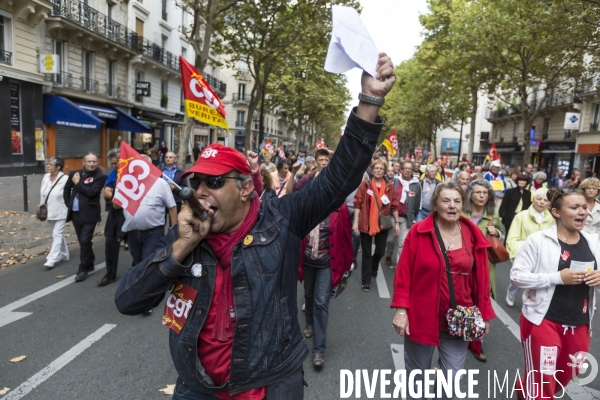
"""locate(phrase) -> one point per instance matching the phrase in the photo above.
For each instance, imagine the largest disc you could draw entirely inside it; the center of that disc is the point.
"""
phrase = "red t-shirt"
(215, 355)
(462, 262)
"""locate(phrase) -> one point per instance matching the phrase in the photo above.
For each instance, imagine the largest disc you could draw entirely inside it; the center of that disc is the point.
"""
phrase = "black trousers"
(111, 253)
(85, 232)
(370, 262)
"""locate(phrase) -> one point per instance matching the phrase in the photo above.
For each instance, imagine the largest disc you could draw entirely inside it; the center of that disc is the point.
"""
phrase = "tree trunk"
(472, 126)
(527, 121)
(208, 29)
(184, 138)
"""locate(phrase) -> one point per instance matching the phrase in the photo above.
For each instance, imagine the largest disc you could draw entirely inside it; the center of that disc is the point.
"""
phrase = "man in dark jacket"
(174, 172)
(234, 274)
(408, 193)
(82, 198)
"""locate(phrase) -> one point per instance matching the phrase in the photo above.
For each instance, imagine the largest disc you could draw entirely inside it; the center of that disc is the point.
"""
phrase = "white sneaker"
(509, 300)
(63, 259)
(49, 264)
(303, 307)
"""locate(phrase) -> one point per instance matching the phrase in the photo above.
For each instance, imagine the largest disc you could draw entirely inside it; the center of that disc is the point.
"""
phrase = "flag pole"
(171, 180)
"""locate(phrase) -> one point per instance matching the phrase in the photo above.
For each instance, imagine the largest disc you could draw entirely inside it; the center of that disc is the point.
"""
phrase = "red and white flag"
(281, 152)
(320, 145)
(135, 177)
(268, 148)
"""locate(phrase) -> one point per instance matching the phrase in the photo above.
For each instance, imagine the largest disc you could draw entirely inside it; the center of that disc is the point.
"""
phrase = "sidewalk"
(22, 236)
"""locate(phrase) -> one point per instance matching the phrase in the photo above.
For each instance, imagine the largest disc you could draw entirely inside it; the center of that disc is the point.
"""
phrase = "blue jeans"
(317, 293)
(422, 215)
(142, 244)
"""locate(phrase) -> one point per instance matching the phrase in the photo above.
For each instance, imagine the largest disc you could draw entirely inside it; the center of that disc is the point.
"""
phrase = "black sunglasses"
(212, 182)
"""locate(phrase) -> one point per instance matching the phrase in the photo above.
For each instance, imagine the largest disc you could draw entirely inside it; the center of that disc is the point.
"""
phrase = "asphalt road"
(128, 358)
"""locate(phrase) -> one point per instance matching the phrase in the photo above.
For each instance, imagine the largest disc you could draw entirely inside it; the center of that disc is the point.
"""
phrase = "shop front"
(587, 158)
(75, 129)
(510, 153)
(557, 155)
(21, 128)
(164, 128)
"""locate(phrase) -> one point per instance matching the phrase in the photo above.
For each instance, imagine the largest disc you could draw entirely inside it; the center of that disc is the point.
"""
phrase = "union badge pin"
(248, 240)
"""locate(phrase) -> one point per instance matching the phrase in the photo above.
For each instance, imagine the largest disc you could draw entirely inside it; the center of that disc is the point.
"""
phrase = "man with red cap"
(232, 310)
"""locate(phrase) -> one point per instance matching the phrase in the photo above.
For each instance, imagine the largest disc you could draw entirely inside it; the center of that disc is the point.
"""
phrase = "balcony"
(67, 81)
(218, 86)
(240, 124)
(113, 91)
(5, 57)
(240, 98)
(558, 98)
(79, 15)
(594, 127)
(89, 85)
(157, 53)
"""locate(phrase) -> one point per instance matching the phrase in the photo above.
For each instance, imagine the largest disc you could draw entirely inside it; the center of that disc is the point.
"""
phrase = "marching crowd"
(437, 228)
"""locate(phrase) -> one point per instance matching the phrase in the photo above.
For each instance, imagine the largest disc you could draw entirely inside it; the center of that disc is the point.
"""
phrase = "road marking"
(506, 319)
(57, 364)
(398, 356)
(382, 287)
(7, 314)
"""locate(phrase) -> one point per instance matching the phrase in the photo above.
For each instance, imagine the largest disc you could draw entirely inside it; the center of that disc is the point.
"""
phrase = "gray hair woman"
(538, 180)
(51, 194)
(481, 210)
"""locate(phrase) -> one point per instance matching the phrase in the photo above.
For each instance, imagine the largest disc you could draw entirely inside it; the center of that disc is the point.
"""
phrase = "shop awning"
(100, 112)
(63, 112)
(126, 122)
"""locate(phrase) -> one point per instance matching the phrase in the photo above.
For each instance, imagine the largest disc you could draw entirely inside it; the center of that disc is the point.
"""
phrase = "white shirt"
(151, 212)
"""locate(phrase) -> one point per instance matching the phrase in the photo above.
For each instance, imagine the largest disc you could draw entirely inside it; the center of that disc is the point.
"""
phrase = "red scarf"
(222, 245)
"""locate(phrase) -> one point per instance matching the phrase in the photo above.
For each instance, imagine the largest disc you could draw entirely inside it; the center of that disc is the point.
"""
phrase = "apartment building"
(277, 128)
(552, 146)
(21, 87)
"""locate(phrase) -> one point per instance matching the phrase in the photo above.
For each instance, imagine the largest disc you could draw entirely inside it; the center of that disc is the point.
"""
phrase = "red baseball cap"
(217, 160)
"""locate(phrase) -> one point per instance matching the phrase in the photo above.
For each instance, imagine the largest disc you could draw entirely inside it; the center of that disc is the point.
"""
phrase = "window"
(183, 52)
(112, 79)
(241, 91)
(58, 49)
(241, 118)
(87, 71)
(110, 23)
(6, 45)
(164, 97)
(546, 129)
(164, 10)
(163, 41)
(595, 118)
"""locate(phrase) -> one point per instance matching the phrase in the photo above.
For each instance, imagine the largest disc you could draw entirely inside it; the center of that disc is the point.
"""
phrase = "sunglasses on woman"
(212, 182)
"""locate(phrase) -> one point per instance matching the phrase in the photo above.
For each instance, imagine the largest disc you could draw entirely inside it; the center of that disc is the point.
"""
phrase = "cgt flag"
(281, 152)
(391, 143)
(492, 155)
(268, 148)
(201, 102)
(135, 177)
(320, 145)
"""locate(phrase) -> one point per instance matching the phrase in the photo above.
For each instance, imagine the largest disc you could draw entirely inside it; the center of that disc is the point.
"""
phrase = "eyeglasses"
(212, 182)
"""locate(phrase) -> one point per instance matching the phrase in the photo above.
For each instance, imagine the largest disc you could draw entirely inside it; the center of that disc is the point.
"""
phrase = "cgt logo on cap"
(209, 153)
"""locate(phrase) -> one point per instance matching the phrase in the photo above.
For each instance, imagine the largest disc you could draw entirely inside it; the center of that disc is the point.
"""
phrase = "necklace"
(450, 238)
(564, 239)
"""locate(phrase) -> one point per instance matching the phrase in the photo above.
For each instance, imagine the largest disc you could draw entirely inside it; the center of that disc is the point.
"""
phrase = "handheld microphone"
(187, 194)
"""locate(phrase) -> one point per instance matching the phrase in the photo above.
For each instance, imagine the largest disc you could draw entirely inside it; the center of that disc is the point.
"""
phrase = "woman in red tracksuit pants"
(558, 267)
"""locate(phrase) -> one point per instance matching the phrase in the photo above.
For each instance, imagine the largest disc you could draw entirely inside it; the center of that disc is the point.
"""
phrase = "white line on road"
(384, 292)
(398, 356)
(6, 313)
(57, 364)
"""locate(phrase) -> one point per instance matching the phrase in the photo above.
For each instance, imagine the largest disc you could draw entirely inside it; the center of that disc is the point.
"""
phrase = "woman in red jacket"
(374, 198)
(421, 294)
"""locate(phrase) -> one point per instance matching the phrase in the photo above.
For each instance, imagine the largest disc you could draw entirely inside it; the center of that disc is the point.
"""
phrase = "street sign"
(142, 88)
(572, 120)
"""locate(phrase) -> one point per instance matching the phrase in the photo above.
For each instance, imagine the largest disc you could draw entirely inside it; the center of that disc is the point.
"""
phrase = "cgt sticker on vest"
(178, 306)
(548, 359)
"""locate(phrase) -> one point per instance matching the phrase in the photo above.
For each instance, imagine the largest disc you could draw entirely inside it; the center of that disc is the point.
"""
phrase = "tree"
(535, 46)
(199, 34)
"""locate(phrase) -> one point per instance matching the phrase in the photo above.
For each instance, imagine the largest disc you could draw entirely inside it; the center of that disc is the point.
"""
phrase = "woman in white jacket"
(53, 185)
(558, 267)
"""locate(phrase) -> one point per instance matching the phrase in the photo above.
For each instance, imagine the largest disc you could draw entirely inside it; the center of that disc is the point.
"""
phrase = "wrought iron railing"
(89, 85)
(157, 53)
(217, 85)
(240, 123)
(113, 91)
(5, 57)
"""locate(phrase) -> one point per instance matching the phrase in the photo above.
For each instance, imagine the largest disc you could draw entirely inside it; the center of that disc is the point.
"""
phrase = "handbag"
(386, 222)
(42, 211)
(465, 322)
(497, 253)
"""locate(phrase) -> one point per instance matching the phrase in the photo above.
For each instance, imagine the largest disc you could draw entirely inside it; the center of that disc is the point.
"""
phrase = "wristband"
(400, 313)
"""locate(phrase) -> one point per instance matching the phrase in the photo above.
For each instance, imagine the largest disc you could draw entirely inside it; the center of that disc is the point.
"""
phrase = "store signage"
(49, 63)
(572, 120)
(142, 89)
(558, 146)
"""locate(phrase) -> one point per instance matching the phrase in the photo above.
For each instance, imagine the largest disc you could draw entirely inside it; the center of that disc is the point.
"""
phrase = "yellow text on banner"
(204, 113)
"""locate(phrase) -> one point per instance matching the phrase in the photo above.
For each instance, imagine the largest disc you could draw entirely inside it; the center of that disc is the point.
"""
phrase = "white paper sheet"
(351, 45)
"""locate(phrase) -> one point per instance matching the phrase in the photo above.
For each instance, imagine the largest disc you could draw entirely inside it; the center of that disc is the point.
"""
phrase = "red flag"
(135, 177)
(320, 145)
(201, 102)
(492, 154)
(391, 143)
(268, 148)
(281, 152)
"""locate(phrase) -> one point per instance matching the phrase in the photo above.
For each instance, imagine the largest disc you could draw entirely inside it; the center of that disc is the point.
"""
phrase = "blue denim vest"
(268, 344)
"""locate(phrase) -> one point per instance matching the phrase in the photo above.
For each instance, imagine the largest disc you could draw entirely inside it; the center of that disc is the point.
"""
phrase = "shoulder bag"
(42, 211)
(465, 322)
(386, 222)
(497, 253)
